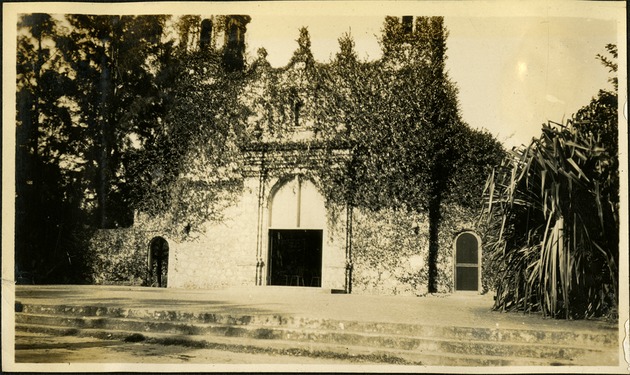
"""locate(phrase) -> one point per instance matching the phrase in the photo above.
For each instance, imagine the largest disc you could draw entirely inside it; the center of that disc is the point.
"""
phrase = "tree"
(47, 243)
(553, 208)
(84, 92)
(116, 60)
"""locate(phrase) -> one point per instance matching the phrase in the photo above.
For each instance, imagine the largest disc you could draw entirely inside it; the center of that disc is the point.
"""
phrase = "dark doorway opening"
(467, 262)
(158, 262)
(295, 257)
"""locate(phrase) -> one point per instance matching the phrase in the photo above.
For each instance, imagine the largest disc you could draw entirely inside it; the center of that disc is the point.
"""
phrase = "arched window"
(407, 24)
(205, 36)
(467, 263)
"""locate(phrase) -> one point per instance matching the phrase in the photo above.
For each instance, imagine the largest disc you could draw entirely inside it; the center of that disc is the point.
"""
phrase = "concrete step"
(588, 339)
(321, 335)
(352, 353)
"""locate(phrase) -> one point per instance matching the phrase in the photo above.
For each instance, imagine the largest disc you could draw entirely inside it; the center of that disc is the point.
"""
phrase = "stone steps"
(547, 336)
(352, 353)
(344, 337)
(359, 341)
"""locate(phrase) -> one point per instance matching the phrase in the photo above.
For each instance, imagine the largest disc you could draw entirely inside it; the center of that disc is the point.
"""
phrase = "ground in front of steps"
(43, 348)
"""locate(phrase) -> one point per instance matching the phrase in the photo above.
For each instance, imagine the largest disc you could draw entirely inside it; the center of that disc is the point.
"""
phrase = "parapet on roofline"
(287, 156)
(305, 145)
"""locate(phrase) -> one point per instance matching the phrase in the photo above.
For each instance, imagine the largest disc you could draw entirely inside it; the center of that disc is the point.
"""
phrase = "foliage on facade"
(192, 169)
(407, 147)
(389, 255)
(390, 250)
(119, 257)
(553, 211)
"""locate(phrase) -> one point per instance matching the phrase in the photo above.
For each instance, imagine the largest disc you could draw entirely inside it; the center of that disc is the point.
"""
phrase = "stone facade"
(387, 249)
(225, 255)
(235, 251)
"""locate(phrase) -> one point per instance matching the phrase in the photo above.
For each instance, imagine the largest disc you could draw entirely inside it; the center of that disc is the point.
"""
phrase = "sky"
(513, 73)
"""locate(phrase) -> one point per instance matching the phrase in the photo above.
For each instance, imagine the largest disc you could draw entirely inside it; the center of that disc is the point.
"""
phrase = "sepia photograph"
(321, 186)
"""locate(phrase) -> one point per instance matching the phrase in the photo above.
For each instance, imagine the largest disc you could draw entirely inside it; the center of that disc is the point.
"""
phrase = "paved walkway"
(466, 310)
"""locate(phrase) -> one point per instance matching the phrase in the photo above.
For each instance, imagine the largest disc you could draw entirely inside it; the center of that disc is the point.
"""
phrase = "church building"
(280, 230)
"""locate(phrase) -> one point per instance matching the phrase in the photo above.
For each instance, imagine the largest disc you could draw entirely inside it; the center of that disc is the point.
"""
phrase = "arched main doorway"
(467, 262)
(296, 222)
(158, 262)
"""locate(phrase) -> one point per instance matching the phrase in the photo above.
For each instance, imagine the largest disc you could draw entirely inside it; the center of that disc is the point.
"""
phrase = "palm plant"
(552, 210)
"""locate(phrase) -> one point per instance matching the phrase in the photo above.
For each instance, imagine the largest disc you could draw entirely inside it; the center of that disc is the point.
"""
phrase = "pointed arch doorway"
(296, 232)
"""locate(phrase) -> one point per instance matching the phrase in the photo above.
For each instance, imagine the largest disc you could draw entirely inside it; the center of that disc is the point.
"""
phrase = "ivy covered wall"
(390, 250)
(119, 256)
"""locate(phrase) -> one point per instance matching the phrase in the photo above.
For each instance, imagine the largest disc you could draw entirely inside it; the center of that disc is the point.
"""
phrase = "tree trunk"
(102, 185)
(434, 224)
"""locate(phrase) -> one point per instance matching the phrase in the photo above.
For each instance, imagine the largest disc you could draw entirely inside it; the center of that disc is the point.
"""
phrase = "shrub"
(119, 256)
(552, 208)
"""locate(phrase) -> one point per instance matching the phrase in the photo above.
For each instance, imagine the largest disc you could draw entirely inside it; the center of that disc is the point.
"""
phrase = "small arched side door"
(467, 262)
(158, 262)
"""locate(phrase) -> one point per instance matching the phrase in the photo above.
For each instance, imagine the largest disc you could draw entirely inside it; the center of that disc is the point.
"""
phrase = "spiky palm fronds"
(553, 210)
